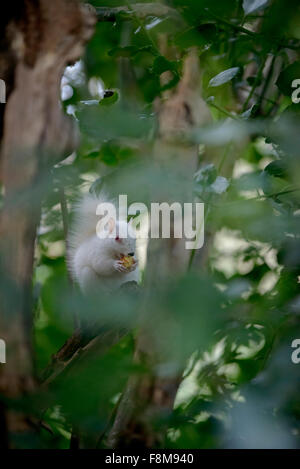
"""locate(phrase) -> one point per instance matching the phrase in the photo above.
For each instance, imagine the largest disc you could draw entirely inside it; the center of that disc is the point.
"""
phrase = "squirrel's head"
(120, 236)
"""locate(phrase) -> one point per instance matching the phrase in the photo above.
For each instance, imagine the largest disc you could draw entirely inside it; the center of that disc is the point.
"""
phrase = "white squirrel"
(95, 262)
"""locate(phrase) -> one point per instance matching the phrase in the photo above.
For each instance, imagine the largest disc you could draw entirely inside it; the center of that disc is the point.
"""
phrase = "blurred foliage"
(236, 319)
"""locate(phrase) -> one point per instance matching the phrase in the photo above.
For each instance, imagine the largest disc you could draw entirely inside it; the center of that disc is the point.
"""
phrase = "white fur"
(93, 262)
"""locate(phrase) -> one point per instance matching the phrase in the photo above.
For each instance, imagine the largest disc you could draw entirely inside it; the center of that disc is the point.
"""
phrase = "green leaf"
(250, 6)
(127, 51)
(110, 122)
(224, 77)
(161, 65)
(207, 181)
(249, 112)
(130, 51)
(254, 80)
(220, 185)
(202, 37)
(286, 78)
(92, 154)
(110, 100)
(206, 175)
(277, 168)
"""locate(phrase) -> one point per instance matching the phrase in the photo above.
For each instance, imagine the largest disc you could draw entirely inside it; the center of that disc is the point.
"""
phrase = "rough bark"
(39, 38)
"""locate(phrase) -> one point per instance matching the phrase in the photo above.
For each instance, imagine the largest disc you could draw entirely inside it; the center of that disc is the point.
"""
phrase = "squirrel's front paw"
(120, 267)
(132, 267)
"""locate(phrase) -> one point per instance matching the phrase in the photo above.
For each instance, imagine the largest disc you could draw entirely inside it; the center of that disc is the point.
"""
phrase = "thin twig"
(241, 29)
(223, 111)
(255, 84)
(267, 83)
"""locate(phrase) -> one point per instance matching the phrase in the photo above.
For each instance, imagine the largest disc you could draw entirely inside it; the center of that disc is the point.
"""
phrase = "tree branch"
(141, 10)
(65, 26)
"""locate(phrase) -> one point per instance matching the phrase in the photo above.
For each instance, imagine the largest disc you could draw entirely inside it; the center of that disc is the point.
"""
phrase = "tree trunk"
(142, 415)
(38, 39)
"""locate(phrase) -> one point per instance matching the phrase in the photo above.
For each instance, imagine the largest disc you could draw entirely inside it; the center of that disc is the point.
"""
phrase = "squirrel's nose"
(131, 254)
